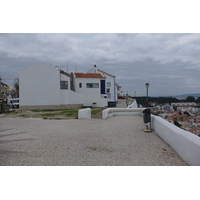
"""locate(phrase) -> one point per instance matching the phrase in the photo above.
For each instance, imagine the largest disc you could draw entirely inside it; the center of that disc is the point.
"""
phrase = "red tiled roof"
(106, 73)
(89, 75)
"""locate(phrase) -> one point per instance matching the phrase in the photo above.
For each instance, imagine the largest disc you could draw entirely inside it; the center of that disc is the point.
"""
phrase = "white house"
(92, 87)
(42, 86)
(110, 85)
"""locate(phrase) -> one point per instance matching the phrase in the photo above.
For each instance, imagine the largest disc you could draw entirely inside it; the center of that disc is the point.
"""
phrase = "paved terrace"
(117, 141)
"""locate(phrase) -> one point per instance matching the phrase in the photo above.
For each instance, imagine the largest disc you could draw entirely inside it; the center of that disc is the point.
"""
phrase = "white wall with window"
(64, 85)
(68, 96)
(110, 83)
(92, 85)
(110, 87)
(87, 85)
(42, 85)
(90, 88)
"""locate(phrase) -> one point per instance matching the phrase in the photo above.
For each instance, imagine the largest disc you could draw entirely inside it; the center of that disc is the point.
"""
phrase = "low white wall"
(110, 112)
(90, 99)
(84, 113)
(186, 145)
(131, 110)
(133, 105)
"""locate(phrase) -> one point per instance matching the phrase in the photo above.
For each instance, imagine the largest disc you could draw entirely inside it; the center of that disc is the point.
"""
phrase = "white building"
(42, 86)
(184, 104)
(92, 87)
(110, 86)
(188, 109)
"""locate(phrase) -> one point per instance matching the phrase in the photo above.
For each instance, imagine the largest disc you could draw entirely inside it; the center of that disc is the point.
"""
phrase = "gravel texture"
(117, 141)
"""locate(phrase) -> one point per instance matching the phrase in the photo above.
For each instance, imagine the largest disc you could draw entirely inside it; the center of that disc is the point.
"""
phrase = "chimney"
(95, 69)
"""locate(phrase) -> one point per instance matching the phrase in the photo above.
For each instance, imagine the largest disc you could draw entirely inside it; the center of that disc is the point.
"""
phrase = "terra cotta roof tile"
(89, 75)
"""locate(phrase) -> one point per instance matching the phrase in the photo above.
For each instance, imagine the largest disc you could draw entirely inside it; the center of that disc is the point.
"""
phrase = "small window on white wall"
(64, 85)
(108, 84)
(92, 85)
(80, 85)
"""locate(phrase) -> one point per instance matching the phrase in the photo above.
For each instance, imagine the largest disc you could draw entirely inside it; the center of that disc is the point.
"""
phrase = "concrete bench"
(110, 112)
(84, 113)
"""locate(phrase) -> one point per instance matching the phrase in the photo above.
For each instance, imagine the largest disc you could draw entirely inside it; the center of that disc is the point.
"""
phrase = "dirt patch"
(49, 114)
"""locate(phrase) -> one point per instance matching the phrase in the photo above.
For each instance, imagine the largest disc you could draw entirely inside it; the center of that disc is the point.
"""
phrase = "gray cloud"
(169, 62)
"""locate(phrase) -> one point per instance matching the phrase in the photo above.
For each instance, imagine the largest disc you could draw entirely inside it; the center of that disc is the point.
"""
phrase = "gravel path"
(117, 141)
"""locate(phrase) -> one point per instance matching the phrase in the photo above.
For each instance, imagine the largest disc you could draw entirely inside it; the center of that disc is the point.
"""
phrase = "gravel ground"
(117, 141)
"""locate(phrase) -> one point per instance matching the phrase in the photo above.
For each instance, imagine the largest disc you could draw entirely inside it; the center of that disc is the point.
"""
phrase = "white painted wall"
(110, 112)
(112, 90)
(84, 113)
(69, 96)
(39, 85)
(133, 105)
(84, 89)
(111, 79)
(90, 95)
(186, 144)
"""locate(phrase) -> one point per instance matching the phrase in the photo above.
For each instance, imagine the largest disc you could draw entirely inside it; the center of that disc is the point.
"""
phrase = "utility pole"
(147, 86)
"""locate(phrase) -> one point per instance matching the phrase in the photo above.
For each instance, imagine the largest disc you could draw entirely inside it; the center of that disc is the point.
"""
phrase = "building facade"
(110, 84)
(42, 86)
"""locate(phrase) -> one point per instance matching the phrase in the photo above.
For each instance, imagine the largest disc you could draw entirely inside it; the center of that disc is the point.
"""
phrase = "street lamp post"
(147, 86)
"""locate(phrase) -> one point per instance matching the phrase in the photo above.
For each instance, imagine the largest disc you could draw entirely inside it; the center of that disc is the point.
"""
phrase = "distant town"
(182, 112)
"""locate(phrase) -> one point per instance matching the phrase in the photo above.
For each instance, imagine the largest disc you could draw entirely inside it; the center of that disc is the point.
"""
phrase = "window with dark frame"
(64, 85)
(80, 85)
(92, 85)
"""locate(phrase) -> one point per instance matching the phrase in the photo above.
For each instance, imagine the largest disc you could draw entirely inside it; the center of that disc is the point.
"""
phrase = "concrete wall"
(133, 105)
(110, 112)
(39, 85)
(84, 89)
(70, 97)
(40, 89)
(131, 110)
(41, 107)
(90, 96)
(186, 144)
(84, 113)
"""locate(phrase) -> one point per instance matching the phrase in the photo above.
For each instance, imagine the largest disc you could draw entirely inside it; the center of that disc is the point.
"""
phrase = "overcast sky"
(169, 62)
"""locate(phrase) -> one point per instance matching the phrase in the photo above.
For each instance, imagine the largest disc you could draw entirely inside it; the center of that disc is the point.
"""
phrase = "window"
(64, 85)
(108, 84)
(92, 85)
(80, 85)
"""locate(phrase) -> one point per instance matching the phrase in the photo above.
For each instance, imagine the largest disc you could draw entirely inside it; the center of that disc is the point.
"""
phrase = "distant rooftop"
(89, 75)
